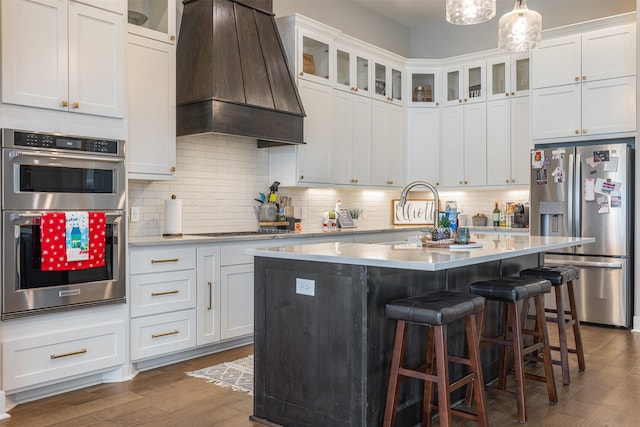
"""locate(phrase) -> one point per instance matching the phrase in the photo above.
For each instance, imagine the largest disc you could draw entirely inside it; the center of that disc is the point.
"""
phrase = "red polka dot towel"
(53, 242)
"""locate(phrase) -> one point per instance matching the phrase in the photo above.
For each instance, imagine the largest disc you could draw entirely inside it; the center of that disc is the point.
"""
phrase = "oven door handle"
(16, 153)
(17, 215)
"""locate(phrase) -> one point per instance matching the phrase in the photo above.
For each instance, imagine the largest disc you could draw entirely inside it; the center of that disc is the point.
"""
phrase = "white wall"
(353, 20)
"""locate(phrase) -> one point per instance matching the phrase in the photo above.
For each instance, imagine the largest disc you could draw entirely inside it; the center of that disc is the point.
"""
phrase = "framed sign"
(414, 212)
(308, 65)
(344, 219)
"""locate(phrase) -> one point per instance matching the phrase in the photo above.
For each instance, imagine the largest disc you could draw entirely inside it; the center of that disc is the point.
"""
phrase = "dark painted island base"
(323, 360)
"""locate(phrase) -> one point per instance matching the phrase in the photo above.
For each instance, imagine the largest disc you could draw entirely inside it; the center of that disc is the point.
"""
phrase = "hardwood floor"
(605, 394)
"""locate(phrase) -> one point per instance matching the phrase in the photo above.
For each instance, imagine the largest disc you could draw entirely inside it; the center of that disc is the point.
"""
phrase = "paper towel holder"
(174, 226)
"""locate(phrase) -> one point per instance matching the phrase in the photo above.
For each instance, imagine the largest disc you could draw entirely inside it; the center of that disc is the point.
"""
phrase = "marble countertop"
(411, 256)
(198, 238)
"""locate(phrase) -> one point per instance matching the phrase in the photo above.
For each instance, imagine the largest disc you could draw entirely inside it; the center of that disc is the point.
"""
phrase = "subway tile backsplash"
(220, 175)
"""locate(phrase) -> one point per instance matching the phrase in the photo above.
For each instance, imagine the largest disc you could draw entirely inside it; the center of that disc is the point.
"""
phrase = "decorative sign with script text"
(414, 212)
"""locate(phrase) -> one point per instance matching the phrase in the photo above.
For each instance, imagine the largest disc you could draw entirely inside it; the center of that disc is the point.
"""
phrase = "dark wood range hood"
(232, 74)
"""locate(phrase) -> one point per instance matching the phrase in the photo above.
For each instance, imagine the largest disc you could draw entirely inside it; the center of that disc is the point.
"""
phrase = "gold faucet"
(436, 196)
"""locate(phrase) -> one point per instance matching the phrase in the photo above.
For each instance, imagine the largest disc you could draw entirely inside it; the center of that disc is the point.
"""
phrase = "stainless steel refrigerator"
(588, 190)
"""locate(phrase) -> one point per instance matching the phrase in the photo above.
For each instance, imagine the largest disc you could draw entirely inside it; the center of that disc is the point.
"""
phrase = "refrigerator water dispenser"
(551, 219)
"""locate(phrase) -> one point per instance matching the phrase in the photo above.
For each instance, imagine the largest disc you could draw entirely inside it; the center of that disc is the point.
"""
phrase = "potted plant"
(355, 214)
(442, 231)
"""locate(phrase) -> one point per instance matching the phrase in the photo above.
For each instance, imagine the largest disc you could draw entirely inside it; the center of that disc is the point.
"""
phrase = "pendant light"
(521, 29)
(467, 12)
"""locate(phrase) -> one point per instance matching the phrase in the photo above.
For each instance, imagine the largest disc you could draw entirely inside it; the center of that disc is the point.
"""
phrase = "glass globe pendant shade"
(467, 12)
(519, 30)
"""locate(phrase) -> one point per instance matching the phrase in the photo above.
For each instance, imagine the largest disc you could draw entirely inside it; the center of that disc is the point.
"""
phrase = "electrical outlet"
(305, 287)
(135, 214)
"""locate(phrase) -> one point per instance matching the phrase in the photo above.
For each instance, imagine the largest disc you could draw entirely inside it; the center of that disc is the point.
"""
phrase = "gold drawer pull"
(157, 261)
(157, 294)
(164, 334)
(73, 353)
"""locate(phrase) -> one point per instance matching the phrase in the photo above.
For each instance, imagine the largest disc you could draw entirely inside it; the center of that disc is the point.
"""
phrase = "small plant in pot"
(443, 230)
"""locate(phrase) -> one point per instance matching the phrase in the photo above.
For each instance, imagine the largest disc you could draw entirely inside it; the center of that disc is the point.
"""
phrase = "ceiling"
(416, 12)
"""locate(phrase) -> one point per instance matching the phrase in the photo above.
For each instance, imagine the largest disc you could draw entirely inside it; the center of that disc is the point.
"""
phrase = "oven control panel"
(54, 141)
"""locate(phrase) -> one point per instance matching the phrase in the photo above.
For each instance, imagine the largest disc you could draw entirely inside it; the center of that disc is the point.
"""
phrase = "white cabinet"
(236, 296)
(351, 141)
(464, 84)
(151, 100)
(64, 56)
(508, 77)
(508, 142)
(163, 300)
(311, 162)
(387, 149)
(352, 70)
(595, 55)
(585, 85)
(55, 355)
(585, 109)
(154, 19)
(388, 78)
(423, 88)
(464, 145)
(208, 309)
(423, 145)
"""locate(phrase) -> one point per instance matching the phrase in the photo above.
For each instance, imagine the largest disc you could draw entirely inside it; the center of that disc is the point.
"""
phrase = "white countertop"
(412, 257)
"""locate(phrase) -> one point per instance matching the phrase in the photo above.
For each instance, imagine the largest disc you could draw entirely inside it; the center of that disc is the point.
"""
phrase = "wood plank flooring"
(606, 394)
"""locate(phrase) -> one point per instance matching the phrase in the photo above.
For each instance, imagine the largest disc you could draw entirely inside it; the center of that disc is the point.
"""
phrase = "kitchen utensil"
(273, 196)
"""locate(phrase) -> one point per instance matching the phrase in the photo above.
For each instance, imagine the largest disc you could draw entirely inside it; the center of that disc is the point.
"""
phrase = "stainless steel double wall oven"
(44, 172)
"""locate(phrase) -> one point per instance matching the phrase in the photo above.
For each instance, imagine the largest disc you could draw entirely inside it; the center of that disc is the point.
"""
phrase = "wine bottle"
(496, 216)
(503, 216)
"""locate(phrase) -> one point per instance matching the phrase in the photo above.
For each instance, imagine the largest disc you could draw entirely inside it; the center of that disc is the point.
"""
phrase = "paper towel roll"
(172, 217)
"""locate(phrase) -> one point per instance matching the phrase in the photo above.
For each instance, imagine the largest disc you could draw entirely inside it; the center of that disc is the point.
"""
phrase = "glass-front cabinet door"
(453, 86)
(423, 88)
(154, 19)
(314, 58)
(474, 83)
(387, 82)
(352, 71)
(508, 77)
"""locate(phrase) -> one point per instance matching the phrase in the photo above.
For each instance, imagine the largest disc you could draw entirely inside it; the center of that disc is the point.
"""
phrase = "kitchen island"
(322, 343)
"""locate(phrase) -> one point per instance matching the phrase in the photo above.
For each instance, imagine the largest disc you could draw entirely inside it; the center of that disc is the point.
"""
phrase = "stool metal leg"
(576, 326)
(396, 360)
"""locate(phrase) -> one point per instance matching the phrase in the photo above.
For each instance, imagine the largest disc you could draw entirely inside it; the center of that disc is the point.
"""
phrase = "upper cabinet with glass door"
(155, 19)
(423, 89)
(315, 58)
(387, 81)
(352, 71)
(508, 77)
(464, 84)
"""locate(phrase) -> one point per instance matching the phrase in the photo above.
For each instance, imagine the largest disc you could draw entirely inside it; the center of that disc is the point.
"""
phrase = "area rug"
(237, 374)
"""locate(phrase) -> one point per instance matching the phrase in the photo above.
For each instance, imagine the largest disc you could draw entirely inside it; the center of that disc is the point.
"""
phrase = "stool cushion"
(436, 308)
(510, 288)
(557, 275)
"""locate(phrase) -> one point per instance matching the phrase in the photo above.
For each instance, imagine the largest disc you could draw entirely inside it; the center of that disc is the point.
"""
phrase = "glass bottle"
(496, 216)
(503, 216)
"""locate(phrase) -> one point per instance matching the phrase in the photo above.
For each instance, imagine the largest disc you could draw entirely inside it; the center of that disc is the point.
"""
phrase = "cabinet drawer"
(168, 258)
(43, 358)
(162, 292)
(163, 333)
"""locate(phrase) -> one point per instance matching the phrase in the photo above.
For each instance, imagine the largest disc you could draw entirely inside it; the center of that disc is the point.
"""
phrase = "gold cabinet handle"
(159, 261)
(577, 132)
(584, 77)
(465, 183)
(164, 334)
(584, 131)
(437, 184)
(64, 103)
(513, 93)
(302, 73)
(460, 182)
(506, 94)
(437, 104)
(465, 100)
(173, 168)
(210, 285)
(172, 38)
(301, 177)
(73, 353)
(506, 181)
(157, 294)
(76, 104)
(577, 79)
(459, 101)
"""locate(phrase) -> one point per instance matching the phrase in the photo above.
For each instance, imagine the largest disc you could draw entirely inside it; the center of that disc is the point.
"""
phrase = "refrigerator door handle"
(571, 195)
(585, 264)
(577, 200)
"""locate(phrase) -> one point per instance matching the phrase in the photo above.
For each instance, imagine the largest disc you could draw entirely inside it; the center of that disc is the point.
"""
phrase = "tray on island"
(450, 244)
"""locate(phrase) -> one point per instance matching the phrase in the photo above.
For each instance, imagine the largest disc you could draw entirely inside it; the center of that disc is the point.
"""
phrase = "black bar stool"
(560, 276)
(510, 291)
(436, 310)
